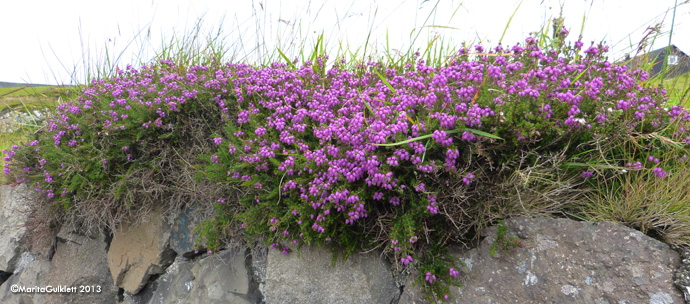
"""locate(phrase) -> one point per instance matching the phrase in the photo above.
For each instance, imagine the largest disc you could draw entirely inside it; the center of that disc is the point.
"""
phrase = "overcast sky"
(48, 41)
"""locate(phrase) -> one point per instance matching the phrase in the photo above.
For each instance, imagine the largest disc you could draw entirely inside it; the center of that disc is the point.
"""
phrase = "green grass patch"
(655, 206)
(25, 91)
(678, 90)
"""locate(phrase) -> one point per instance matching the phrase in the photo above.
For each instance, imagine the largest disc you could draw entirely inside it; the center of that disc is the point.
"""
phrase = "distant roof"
(654, 53)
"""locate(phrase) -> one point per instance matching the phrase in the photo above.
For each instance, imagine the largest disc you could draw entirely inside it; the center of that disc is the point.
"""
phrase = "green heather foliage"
(406, 157)
(503, 242)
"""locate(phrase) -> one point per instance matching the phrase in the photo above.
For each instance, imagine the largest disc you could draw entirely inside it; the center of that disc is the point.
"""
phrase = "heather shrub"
(403, 156)
(124, 146)
(411, 157)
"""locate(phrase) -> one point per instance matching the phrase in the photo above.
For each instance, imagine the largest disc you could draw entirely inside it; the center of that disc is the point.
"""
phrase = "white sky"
(48, 41)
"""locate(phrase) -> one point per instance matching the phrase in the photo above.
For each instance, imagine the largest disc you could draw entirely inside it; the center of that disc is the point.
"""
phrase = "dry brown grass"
(638, 199)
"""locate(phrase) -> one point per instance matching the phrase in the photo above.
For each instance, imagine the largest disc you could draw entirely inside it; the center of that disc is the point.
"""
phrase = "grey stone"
(68, 234)
(660, 298)
(24, 260)
(139, 251)
(81, 264)
(33, 273)
(412, 294)
(13, 216)
(311, 278)
(184, 222)
(682, 275)
(564, 261)
(220, 278)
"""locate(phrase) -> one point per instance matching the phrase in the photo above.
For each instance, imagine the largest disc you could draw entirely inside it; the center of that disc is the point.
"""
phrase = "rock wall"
(556, 261)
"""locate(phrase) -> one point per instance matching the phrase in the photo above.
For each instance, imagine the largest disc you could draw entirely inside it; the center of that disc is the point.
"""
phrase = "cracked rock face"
(13, 216)
(556, 261)
(80, 260)
(33, 272)
(564, 261)
(219, 278)
(682, 275)
(139, 251)
(182, 237)
(311, 278)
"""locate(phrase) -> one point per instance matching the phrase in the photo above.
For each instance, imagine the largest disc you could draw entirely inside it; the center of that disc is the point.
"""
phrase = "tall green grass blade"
(405, 141)
(509, 20)
(477, 132)
(315, 52)
(578, 76)
(387, 83)
(369, 107)
(591, 165)
(425, 149)
(409, 50)
(454, 12)
(286, 58)
(442, 27)
(428, 47)
(482, 133)
(582, 26)
(388, 51)
(388, 103)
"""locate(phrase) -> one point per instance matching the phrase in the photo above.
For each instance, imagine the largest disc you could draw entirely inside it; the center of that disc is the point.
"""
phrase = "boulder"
(310, 277)
(138, 251)
(33, 272)
(80, 261)
(218, 278)
(182, 238)
(13, 216)
(565, 261)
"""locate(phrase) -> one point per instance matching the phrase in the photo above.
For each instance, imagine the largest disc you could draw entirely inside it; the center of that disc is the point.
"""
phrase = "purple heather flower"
(578, 44)
(468, 178)
(659, 172)
(217, 141)
(407, 260)
(260, 131)
(430, 277)
(467, 136)
(587, 174)
(636, 166)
